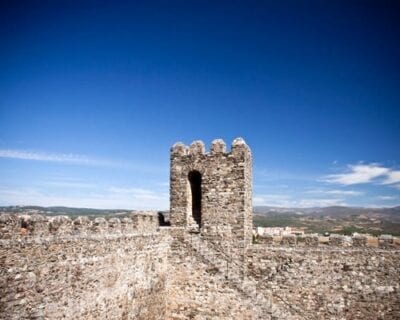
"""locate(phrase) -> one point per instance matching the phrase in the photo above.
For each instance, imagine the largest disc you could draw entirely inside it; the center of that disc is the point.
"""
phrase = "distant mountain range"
(333, 211)
(261, 210)
(52, 211)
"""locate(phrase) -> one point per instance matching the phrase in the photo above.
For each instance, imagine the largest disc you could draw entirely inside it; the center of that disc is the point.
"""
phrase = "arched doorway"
(195, 188)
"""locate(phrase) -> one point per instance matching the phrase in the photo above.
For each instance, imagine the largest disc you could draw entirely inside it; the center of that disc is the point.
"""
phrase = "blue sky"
(93, 94)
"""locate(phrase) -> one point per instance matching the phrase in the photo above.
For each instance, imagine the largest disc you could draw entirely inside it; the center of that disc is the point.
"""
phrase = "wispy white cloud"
(363, 173)
(145, 195)
(387, 197)
(306, 203)
(279, 175)
(272, 200)
(335, 192)
(380, 206)
(288, 202)
(345, 192)
(392, 177)
(68, 158)
(69, 184)
(79, 159)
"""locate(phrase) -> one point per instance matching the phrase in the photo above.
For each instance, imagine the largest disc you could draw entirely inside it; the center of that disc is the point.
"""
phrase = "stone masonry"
(58, 268)
(219, 203)
(203, 266)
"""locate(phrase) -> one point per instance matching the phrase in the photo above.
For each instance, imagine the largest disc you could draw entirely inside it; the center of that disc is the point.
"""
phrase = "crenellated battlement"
(218, 147)
(55, 267)
(20, 226)
(334, 240)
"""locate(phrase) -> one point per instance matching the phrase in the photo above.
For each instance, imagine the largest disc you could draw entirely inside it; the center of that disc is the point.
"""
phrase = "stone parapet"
(329, 282)
(334, 240)
(289, 240)
(59, 268)
(386, 240)
(20, 226)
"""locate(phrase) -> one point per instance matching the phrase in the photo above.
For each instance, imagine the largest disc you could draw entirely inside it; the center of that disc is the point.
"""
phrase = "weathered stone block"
(99, 225)
(266, 239)
(339, 240)
(35, 224)
(127, 225)
(218, 146)
(359, 241)
(114, 225)
(10, 226)
(385, 240)
(289, 240)
(60, 225)
(82, 225)
(310, 240)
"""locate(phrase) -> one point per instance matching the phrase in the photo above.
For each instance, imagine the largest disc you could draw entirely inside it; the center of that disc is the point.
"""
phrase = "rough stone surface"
(330, 282)
(53, 268)
(226, 188)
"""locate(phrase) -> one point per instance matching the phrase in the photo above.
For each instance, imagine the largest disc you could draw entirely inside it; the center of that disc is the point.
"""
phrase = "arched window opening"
(195, 187)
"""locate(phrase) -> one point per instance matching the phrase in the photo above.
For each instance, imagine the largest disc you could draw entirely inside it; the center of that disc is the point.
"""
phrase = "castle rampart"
(23, 226)
(329, 281)
(334, 240)
(56, 267)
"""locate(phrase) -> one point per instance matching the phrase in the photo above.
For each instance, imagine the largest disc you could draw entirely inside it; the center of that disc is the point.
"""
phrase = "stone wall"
(54, 268)
(145, 221)
(200, 288)
(329, 282)
(311, 240)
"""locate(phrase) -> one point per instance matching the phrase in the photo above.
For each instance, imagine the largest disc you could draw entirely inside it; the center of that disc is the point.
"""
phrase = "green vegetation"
(277, 221)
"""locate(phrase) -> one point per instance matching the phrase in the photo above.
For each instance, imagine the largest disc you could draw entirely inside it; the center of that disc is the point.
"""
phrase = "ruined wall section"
(226, 189)
(55, 267)
(336, 240)
(328, 281)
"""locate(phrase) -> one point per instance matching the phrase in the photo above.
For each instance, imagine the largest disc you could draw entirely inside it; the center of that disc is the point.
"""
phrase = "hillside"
(336, 219)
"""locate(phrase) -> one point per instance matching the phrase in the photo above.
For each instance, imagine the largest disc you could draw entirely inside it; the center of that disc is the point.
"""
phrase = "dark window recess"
(195, 187)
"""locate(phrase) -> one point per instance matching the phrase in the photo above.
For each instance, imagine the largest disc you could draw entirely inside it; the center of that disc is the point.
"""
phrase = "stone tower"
(212, 191)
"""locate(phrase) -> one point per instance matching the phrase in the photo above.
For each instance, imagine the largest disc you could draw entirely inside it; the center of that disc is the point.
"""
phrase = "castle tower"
(212, 191)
